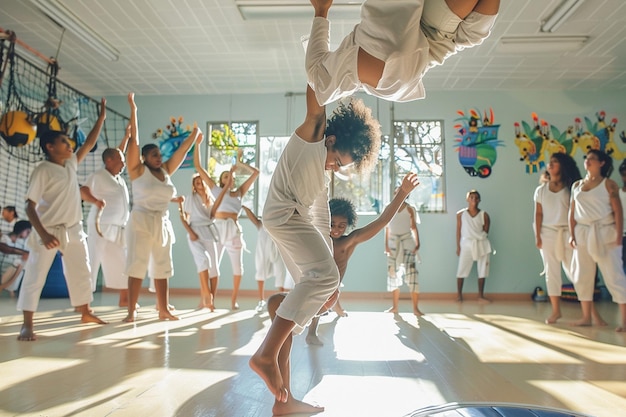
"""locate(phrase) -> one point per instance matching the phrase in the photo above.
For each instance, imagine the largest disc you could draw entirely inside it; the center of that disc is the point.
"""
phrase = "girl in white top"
(227, 219)
(472, 227)
(596, 228)
(393, 46)
(551, 225)
(150, 235)
(197, 217)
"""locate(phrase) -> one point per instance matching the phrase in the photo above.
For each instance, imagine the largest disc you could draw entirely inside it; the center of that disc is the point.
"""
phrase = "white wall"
(506, 194)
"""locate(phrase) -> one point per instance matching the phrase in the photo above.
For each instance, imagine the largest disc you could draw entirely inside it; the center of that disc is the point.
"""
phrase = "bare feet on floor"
(620, 329)
(587, 323)
(314, 340)
(293, 406)
(340, 311)
(234, 306)
(417, 312)
(483, 300)
(553, 318)
(393, 310)
(89, 317)
(167, 316)
(131, 317)
(269, 372)
(27, 334)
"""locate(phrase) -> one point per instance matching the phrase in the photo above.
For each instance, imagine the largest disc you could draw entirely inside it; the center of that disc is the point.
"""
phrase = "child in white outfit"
(394, 45)
(53, 206)
(472, 245)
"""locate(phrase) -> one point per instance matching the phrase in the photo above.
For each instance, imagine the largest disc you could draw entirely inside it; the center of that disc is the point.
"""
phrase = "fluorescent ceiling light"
(56, 11)
(560, 15)
(540, 44)
(292, 9)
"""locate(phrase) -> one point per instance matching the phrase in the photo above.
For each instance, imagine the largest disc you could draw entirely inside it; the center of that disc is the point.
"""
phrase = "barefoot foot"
(483, 300)
(88, 317)
(27, 334)
(417, 312)
(393, 310)
(293, 406)
(269, 372)
(553, 318)
(582, 323)
(167, 316)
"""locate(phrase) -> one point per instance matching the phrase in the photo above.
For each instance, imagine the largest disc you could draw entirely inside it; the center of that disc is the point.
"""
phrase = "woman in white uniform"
(150, 235)
(227, 221)
(197, 217)
(394, 45)
(551, 225)
(596, 222)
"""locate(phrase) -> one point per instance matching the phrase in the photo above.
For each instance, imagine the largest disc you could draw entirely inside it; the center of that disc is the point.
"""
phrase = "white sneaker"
(260, 306)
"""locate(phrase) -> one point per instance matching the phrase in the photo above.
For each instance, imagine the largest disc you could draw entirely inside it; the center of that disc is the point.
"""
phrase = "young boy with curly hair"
(296, 215)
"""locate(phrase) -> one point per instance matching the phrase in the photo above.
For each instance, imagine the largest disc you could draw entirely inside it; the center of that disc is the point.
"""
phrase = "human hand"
(49, 241)
(100, 204)
(409, 183)
(131, 101)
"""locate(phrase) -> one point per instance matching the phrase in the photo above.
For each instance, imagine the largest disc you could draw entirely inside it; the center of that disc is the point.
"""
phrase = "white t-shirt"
(54, 188)
(113, 190)
(555, 206)
(151, 194)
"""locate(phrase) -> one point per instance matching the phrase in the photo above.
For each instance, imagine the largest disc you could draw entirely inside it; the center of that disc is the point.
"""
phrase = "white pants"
(556, 253)
(467, 256)
(230, 239)
(204, 254)
(310, 262)
(111, 257)
(75, 268)
(150, 238)
(609, 262)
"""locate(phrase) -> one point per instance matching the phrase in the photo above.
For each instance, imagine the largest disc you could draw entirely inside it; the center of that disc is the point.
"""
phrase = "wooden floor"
(372, 363)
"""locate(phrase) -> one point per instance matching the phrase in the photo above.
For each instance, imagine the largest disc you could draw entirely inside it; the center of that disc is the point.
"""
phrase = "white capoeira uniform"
(410, 36)
(556, 251)
(595, 244)
(204, 249)
(475, 247)
(229, 230)
(401, 261)
(54, 188)
(149, 233)
(109, 250)
(297, 216)
(269, 263)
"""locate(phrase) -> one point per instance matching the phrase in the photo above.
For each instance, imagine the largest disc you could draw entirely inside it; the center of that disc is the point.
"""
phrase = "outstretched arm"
(124, 143)
(225, 189)
(133, 159)
(314, 125)
(416, 235)
(177, 158)
(197, 163)
(365, 233)
(253, 176)
(253, 218)
(92, 137)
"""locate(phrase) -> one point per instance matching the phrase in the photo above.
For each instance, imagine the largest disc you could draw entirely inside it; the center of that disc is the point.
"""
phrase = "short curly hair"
(343, 207)
(356, 132)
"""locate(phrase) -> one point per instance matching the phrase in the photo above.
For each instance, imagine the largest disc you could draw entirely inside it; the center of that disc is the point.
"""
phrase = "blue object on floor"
(492, 410)
(55, 286)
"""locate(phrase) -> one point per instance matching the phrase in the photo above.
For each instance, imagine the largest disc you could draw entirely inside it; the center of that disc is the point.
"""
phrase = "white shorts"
(466, 261)
(204, 254)
(150, 237)
(230, 239)
(111, 257)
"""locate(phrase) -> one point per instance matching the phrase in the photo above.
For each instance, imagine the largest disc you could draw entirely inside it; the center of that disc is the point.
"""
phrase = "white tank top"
(592, 205)
(400, 224)
(622, 197)
(199, 214)
(229, 203)
(472, 227)
(555, 206)
(151, 194)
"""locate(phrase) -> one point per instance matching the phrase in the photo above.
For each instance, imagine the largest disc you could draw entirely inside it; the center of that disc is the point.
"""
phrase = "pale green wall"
(506, 194)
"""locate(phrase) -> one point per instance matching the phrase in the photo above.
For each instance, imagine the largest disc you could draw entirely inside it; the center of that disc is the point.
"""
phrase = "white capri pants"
(75, 258)
(310, 262)
(556, 253)
(111, 257)
(150, 238)
(230, 239)
(466, 261)
(609, 262)
(204, 254)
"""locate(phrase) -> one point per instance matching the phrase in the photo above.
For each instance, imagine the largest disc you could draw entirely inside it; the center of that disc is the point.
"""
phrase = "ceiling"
(172, 47)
